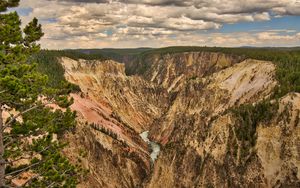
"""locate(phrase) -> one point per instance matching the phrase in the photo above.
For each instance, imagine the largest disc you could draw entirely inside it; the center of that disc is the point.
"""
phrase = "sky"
(159, 23)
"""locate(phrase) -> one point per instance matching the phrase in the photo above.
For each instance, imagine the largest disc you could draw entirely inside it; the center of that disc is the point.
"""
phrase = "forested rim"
(48, 64)
(287, 61)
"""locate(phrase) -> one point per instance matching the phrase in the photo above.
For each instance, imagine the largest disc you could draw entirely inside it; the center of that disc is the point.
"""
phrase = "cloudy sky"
(158, 23)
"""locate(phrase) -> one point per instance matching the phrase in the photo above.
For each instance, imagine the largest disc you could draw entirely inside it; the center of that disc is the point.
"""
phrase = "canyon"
(168, 120)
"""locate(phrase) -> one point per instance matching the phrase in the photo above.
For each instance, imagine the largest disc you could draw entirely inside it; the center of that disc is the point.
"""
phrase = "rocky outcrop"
(278, 145)
(106, 160)
(198, 131)
(171, 70)
(113, 110)
(210, 96)
(186, 101)
(136, 101)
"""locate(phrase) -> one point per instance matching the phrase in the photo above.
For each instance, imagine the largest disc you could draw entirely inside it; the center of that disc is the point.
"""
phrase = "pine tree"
(21, 88)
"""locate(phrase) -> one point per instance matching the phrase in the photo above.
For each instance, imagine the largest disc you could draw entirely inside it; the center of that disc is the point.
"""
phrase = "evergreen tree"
(25, 90)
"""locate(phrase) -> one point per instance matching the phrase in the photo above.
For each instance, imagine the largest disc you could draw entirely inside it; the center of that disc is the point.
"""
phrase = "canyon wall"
(187, 102)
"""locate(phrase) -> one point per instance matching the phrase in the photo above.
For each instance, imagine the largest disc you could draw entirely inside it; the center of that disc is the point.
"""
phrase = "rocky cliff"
(189, 103)
(113, 110)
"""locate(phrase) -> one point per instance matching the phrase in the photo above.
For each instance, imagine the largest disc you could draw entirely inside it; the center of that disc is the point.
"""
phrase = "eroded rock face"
(136, 101)
(184, 101)
(171, 70)
(278, 144)
(113, 109)
(198, 131)
(205, 98)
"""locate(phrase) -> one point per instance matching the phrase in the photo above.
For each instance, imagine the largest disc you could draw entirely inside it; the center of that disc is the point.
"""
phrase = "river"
(155, 148)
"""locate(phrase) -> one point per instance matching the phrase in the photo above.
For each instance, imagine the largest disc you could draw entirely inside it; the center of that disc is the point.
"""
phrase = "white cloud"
(156, 22)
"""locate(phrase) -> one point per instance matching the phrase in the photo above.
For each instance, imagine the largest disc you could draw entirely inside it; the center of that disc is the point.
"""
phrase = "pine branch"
(23, 169)
(51, 185)
(45, 149)
(18, 115)
(32, 178)
(22, 113)
(10, 142)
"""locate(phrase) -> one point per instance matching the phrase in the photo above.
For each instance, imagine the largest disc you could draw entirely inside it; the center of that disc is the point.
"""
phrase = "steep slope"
(113, 109)
(135, 100)
(209, 96)
(278, 144)
(198, 131)
(194, 106)
(206, 145)
(170, 70)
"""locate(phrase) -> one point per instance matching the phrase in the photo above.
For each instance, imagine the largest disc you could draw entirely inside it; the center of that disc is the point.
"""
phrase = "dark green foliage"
(47, 63)
(104, 130)
(175, 49)
(45, 119)
(4, 4)
(18, 78)
(74, 54)
(64, 101)
(10, 32)
(22, 87)
(54, 168)
(119, 55)
(249, 116)
(33, 32)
